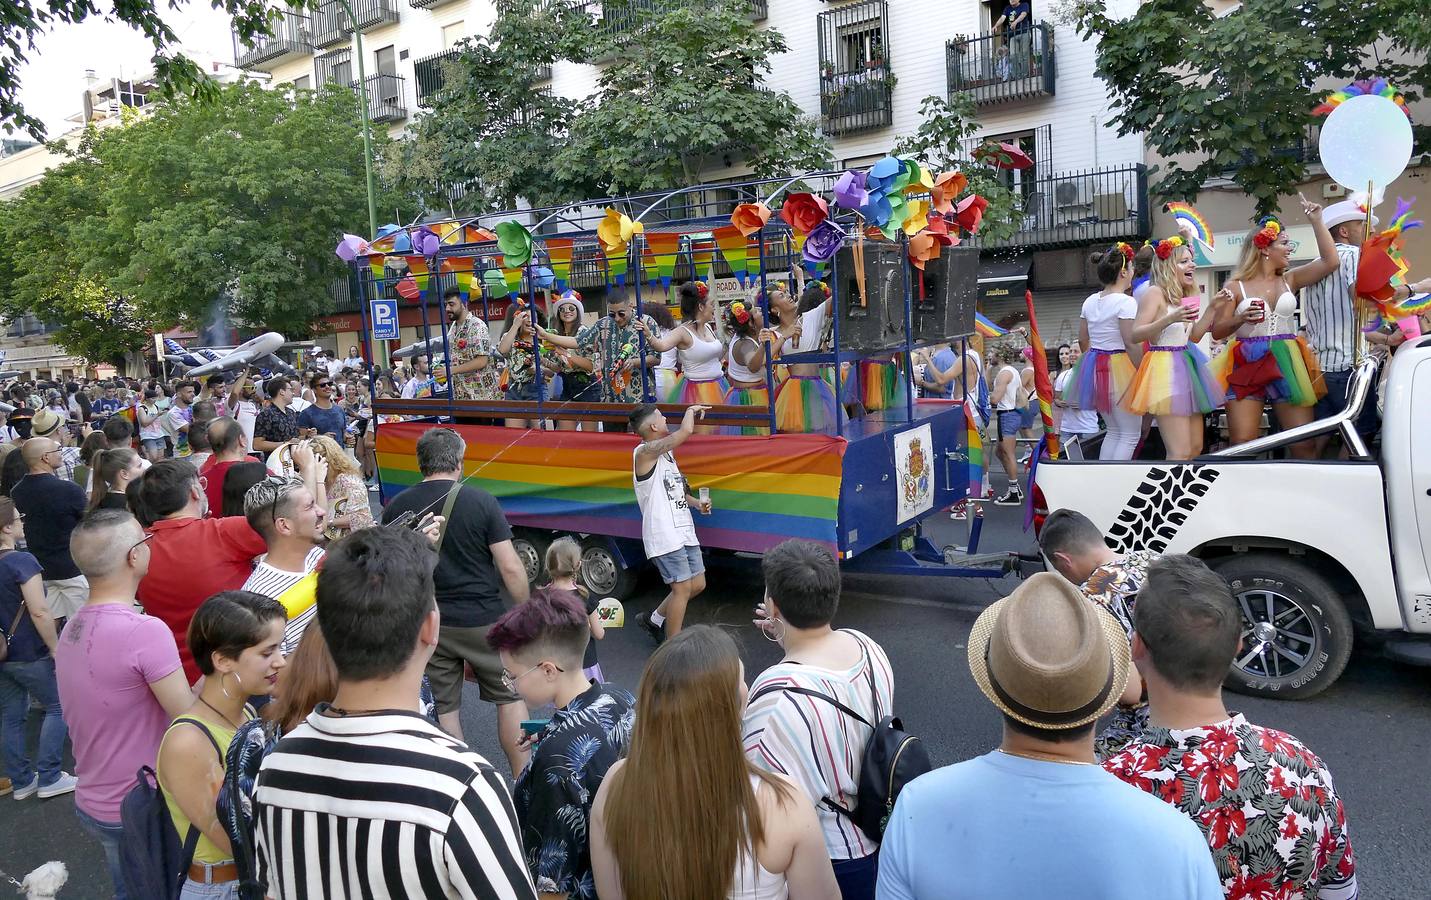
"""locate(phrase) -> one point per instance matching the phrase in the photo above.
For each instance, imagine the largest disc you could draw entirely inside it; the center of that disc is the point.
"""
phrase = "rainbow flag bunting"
(458, 270)
(417, 265)
(559, 253)
(986, 327)
(616, 265)
(703, 260)
(664, 248)
(735, 250)
(513, 280)
(974, 447)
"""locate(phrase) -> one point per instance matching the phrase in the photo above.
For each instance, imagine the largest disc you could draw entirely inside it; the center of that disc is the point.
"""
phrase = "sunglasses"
(139, 543)
(324, 384)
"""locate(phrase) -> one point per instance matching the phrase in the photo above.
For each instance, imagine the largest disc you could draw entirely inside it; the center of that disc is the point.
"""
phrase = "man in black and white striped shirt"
(367, 799)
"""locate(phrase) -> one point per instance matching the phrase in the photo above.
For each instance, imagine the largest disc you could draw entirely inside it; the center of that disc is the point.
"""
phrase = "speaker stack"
(944, 309)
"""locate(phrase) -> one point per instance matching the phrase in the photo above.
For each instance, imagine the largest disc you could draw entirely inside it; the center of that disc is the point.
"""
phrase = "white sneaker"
(65, 784)
(26, 791)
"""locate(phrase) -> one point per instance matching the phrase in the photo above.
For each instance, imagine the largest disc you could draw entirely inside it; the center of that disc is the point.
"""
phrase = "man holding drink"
(665, 499)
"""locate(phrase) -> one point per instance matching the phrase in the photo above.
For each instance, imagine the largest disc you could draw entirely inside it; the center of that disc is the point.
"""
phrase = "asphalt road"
(1373, 727)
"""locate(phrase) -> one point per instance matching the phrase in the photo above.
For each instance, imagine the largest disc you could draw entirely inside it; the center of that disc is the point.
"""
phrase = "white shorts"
(66, 595)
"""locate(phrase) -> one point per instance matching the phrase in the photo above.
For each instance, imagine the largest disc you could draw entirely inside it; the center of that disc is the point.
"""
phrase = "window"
(453, 33)
(860, 46)
(303, 83)
(385, 61)
(335, 68)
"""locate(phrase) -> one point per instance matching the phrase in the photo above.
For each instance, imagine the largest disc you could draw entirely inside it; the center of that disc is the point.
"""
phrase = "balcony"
(856, 101)
(332, 25)
(289, 39)
(429, 76)
(999, 68)
(620, 17)
(856, 78)
(385, 98)
(1077, 208)
(428, 4)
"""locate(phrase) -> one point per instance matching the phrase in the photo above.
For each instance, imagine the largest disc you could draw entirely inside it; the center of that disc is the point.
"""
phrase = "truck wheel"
(531, 547)
(602, 571)
(1296, 634)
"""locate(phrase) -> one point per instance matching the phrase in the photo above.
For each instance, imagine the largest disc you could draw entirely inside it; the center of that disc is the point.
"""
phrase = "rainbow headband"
(1166, 246)
(739, 312)
(1269, 232)
(1126, 249)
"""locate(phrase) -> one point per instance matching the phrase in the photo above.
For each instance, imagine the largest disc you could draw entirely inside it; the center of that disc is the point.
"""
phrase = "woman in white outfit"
(1110, 355)
(658, 832)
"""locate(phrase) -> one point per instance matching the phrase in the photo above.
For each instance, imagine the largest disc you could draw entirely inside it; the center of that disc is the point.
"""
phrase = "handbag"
(19, 613)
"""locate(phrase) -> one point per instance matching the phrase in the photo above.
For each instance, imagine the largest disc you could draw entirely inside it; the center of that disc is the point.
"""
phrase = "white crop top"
(752, 880)
(1280, 318)
(1175, 335)
(702, 361)
(735, 369)
(1102, 313)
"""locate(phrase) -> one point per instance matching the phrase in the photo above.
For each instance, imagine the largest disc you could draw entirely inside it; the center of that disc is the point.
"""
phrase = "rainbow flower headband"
(1126, 249)
(739, 312)
(1166, 246)
(1264, 238)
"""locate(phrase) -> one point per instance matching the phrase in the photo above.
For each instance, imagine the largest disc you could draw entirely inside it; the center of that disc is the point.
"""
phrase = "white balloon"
(1365, 139)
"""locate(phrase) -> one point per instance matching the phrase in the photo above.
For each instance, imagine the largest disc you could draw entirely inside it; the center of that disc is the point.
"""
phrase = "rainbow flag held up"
(986, 327)
(974, 447)
(1043, 384)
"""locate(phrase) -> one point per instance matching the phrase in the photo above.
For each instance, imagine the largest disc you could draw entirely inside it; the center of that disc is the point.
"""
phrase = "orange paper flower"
(750, 217)
(946, 187)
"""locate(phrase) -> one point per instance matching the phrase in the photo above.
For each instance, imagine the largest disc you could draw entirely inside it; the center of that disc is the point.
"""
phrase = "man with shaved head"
(51, 507)
(119, 676)
(227, 443)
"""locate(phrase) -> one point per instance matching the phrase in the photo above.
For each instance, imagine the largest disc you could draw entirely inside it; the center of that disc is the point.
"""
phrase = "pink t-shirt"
(108, 655)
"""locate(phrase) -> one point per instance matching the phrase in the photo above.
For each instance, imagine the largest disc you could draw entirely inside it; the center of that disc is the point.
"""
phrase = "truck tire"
(1296, 634)
(602, 572)
(531, 546)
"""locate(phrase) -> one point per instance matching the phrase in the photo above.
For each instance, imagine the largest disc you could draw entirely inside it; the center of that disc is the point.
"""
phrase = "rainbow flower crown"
(1166, 246)
(739, 312)
(1126, 249)
(1268, 234)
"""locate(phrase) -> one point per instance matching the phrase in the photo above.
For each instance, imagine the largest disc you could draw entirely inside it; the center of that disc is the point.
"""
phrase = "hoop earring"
(777, 637)
(223, 686)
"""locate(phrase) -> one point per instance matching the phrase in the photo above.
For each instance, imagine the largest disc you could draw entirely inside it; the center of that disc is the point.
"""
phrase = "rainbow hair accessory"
(1166, 246)
(1126, 249)
(1190, 222)
(1381, 268)
(739, 312)
(1271, 229)
(986, 327)
(1378, 87)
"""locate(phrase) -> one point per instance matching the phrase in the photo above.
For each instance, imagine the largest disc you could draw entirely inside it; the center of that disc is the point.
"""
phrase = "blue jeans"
(108, 836)
(857, 877)
(18, 682)
(194, 890)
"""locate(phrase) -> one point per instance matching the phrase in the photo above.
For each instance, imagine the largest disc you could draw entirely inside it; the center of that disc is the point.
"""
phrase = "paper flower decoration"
(515, 242)
(877, 209)
(920, 179)
(1367, 86)
(908, 174)
(898, 212)
(402, 243)
(388, 229)
(850, 190)
(750, 217)
(922, 248)
(351, 247)
(616, 231)
(938, 228)
(970, 212)
(425, 241)
(543, 277)
(407, 288)
(804, 211)
(882, 174)
(916, 216)
(494, 284)
(946, 187)
(823, 242)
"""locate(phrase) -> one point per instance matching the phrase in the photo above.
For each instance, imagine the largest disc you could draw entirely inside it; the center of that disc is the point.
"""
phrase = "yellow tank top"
(223, 735)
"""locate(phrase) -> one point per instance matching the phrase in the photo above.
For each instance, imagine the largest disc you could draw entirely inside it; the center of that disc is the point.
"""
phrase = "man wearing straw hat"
(1037, 817)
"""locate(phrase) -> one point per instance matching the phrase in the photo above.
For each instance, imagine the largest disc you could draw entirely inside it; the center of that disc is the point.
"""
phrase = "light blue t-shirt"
(1001, 826)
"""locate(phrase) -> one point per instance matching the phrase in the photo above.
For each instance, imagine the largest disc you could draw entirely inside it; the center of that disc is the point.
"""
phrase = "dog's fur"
(45, 882)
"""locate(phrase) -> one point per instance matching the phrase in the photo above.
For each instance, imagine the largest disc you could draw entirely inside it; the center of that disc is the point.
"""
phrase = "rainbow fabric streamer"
(764, 489)
(664, 248)
(1378, 87)
(1190, 222)
(559, 253)
(735, 250)
(616, 265)
(1043, 384)
(1381, 268)
(974, 447)
(986, 327)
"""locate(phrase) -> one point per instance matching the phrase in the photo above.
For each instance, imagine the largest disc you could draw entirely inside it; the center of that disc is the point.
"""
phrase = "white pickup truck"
(1317, 552)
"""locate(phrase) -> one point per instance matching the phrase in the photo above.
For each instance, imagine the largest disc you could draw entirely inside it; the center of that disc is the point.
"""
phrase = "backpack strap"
(446, 513)
(19, 611)
(191, 840)
(810, 692)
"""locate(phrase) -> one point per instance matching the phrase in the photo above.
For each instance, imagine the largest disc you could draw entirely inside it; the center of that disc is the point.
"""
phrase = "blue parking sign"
(385, 320)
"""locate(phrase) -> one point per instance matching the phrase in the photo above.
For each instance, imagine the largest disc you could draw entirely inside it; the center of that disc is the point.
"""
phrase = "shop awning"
(1000, 279)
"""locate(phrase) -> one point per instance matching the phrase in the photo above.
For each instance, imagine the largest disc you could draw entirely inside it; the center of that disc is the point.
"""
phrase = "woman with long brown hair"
(113, 470)
(685, 814)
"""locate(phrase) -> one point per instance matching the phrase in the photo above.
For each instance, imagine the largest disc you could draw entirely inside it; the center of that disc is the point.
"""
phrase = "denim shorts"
(1010, 421)
(680, 565)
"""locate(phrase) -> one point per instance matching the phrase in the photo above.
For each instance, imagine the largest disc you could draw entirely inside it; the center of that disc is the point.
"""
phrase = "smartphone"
(534, 726)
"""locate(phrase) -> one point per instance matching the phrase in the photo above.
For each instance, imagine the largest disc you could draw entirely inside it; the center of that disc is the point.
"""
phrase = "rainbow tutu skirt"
(1099, 381)
(805, 404)
(747, 396)
(707, 393)
(1278, 369)
(1173, 381)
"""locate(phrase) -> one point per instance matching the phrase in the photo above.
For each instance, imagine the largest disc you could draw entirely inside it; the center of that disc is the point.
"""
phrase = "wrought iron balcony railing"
(430, 76)
(1072, 208)
(291, 35)
(856, 101)
(332, 25)
(997, 67)
(386, 102)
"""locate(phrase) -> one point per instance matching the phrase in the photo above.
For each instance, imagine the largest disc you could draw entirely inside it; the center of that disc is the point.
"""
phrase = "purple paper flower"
(823, 241)
(850, 190)
(425, 241)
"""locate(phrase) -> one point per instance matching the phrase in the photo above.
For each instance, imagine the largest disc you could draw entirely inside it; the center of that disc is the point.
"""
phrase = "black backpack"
(155, 863)
(893, 757)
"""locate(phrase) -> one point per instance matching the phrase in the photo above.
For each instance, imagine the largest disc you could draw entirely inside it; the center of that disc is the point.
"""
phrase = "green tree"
(1231, 95)
(680, 95)
(21, 21)
(943, 141)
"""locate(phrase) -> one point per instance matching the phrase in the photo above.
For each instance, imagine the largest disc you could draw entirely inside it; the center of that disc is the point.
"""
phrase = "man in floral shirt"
(1265, 802)
(613, 346)
(542, 643)
(1075, 547)
(469, 348)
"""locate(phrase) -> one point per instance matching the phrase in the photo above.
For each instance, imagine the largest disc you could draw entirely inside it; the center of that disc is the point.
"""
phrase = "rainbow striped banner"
(417, 265)
(764, 490)
(513, 279)
(459, 269)
(974, 447)
(662, 248)
(736, 250)
(986, 327)
(559, 253)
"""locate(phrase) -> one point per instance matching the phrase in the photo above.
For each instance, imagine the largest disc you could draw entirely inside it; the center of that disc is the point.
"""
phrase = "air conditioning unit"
(1072, 192)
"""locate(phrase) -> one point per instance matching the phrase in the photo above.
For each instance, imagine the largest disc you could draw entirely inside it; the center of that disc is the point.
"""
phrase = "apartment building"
(862, 67)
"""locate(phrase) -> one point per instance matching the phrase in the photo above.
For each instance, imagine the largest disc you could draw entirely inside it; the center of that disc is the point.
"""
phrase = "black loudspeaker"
(877, 321)
(946, 308)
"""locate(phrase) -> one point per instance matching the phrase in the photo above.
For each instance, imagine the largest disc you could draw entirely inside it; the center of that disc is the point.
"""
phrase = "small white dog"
(45, 882)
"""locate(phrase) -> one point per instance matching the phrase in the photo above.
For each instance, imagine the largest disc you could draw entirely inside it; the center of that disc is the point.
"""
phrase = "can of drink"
(1259, 309)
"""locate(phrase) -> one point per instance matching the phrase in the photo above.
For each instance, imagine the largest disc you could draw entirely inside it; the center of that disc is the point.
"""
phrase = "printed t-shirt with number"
(297, 591)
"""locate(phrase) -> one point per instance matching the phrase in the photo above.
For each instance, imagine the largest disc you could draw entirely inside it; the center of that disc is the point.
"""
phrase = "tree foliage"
(21, 21)
(1231, 95)
(678, 95)
(229, 206)
(943, 142)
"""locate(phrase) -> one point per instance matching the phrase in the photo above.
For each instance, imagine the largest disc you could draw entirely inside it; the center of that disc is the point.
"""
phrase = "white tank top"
(1010, 398)
(668, 359)
(735, 369)
(702, 361)
(666, 524)
(1175, 335)
(752, 880)
(1280, 317)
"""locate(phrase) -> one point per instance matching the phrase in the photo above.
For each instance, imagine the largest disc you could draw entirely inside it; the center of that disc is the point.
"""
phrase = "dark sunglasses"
(324, 384)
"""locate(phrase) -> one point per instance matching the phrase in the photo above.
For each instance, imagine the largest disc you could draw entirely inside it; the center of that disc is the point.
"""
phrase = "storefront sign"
(1228, 246)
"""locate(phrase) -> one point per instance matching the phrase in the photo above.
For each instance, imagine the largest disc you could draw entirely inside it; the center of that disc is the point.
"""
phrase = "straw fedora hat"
(1047, 656)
